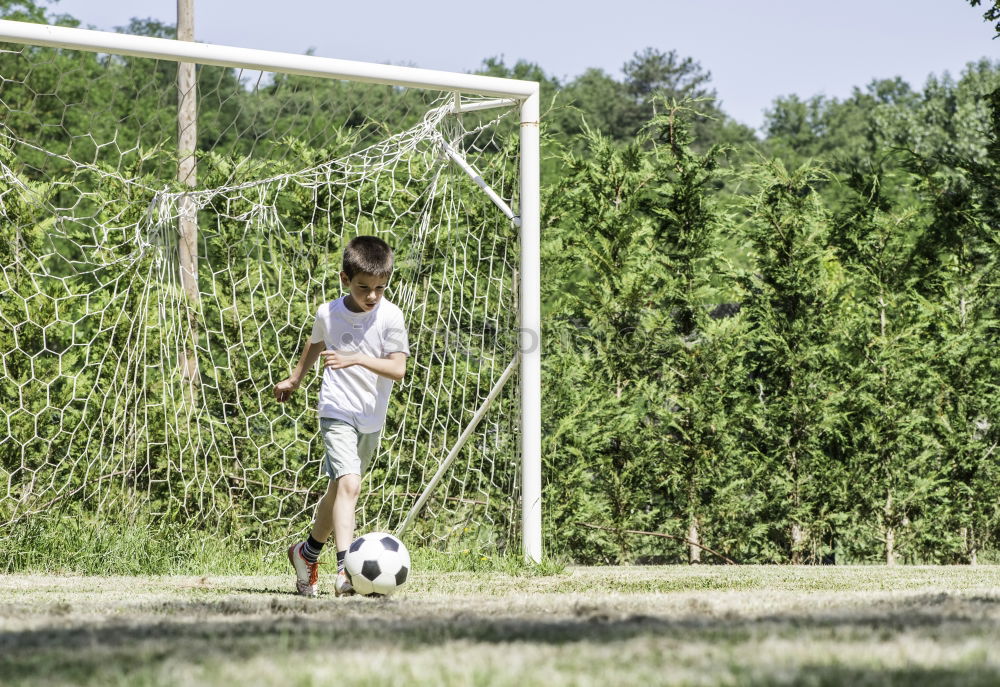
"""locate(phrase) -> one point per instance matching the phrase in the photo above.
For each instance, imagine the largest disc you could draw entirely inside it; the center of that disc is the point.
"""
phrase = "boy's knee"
(349, 486)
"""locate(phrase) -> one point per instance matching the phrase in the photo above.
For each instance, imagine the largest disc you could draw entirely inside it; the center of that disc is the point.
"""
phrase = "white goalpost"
(123, 377)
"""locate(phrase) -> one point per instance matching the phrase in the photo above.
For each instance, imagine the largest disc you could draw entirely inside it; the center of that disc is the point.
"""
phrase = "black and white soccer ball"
(378, 564)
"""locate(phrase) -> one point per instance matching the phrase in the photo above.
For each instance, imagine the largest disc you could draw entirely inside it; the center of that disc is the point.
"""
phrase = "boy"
(363, 341)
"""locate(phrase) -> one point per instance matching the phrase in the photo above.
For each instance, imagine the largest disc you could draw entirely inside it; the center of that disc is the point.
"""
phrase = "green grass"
(90, 544)
(710, 625)
(105, 544)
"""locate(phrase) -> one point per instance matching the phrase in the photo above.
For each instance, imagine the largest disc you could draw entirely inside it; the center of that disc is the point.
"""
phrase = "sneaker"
(343, 586)
(306, 573)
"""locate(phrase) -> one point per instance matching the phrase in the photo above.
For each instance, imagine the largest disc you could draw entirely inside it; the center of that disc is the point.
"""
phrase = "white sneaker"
(306, 573)
(343, 586)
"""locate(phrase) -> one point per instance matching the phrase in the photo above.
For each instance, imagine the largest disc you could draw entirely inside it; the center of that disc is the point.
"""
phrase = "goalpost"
(101, 411)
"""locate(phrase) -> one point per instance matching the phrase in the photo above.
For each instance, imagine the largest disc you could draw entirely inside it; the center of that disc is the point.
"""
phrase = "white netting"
(95, 326)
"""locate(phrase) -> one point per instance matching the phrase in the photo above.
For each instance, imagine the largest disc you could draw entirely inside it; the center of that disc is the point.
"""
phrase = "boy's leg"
(348, 487)
(344, 505)
(344, 465)
(347, 454)
(303, 555)
(323, 520)
(335, 513)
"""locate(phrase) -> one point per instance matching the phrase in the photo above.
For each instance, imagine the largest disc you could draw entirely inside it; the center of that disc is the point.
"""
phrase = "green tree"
(618, 109)
(792, 312)
(991, 14)
(598, 441)
(887, 439)
(964, 291)
(700, 470)
(638, 365)
(23, 10)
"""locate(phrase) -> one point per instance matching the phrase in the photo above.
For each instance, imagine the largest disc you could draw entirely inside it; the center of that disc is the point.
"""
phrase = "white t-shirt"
(355, 394)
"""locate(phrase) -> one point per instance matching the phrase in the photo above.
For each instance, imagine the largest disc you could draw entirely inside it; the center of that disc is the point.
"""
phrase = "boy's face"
(364, 290)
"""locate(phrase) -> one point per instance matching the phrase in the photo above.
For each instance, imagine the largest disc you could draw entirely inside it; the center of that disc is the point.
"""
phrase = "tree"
(839, 134)
(963, 235)
(699, 473)
(652, 72)
(599, 438)
(991, 14)
(151, 27)
(618, 109)
(887, 438)
(600, 103)
(641, 369)
(791, 307)
(23, 10)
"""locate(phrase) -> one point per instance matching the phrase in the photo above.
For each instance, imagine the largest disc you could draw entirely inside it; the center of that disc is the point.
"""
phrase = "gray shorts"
(348, 451)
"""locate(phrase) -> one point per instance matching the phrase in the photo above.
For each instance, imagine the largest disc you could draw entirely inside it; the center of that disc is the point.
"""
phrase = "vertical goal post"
(525, 93)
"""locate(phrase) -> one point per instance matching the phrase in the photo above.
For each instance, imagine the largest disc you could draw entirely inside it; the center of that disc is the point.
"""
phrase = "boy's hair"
(368, 254)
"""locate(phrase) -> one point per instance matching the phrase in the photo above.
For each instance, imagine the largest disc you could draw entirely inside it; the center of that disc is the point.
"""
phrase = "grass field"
(852, 626)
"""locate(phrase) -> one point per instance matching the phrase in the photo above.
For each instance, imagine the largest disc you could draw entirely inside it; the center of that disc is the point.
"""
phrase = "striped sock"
(340, 560)
(311, 549)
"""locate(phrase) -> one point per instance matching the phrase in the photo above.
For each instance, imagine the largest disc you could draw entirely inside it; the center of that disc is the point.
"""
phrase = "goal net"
(129, 396)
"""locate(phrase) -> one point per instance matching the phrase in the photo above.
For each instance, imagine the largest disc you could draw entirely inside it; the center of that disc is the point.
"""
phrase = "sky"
(755, 50)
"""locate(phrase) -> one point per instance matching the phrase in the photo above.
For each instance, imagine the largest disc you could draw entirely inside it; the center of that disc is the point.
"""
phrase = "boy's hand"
(283, 389)
(337, 360)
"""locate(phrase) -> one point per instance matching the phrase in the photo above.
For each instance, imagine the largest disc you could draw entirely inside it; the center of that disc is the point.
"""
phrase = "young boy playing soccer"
(363, 341)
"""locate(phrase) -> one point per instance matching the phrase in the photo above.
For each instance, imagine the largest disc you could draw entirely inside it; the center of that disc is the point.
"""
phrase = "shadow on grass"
(841, 676)
(267, 591)
(231, 629)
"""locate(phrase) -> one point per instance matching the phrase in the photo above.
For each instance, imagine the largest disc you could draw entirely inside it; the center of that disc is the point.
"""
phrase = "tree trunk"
(797, 535)
(890, 532)
(971, 550)
(797, 539)
(694, 552)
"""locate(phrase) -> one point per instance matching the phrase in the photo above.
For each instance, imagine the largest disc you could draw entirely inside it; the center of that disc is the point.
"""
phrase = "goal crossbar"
(264, 60)
(524, 93)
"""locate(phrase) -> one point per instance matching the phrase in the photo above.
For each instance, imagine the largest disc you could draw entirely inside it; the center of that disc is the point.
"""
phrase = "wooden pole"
(187, 175)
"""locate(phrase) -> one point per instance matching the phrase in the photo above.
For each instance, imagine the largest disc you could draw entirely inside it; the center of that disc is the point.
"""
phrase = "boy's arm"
(393, 366)
(283, 389)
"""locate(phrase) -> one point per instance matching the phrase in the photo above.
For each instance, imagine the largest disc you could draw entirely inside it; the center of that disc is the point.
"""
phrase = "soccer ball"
(378, 564)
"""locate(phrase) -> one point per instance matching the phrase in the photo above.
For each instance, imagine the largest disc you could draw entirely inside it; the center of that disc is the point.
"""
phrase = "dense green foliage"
(778, 350)
(849, 409)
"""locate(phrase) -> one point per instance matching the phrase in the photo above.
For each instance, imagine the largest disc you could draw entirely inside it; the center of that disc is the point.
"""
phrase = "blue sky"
(756, 50)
